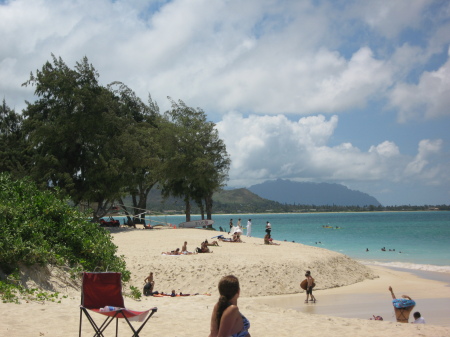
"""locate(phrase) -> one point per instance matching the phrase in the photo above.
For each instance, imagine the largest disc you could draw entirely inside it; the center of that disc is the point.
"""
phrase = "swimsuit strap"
(404, 319)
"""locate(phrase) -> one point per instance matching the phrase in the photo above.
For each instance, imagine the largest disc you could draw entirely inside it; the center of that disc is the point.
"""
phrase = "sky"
(349, 92)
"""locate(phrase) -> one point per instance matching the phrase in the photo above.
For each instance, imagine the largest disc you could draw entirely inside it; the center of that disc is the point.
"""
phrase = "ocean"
(412, 240)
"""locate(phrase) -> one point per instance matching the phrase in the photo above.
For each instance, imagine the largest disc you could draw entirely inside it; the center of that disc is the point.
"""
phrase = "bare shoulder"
(232, 309)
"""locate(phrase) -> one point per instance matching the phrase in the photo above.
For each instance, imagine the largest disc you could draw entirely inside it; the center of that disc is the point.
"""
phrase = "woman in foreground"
(226, 320)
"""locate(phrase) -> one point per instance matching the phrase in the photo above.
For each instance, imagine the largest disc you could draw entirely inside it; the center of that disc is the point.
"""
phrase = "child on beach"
(418, 318)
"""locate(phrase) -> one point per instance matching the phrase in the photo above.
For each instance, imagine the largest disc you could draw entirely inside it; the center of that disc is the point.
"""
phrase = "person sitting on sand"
(402, 306)
(184, 248)
(418, 318)
(204, 248)
(236, 237)
(226, 319)
(269, 241)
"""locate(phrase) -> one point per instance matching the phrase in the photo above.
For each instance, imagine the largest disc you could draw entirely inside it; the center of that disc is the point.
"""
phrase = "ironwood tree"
(196, 162)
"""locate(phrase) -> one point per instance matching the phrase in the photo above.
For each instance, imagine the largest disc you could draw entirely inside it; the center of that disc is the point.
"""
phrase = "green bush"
(39, 228)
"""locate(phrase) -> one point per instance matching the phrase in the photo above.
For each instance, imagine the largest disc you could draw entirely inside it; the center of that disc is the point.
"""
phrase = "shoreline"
(371, 297)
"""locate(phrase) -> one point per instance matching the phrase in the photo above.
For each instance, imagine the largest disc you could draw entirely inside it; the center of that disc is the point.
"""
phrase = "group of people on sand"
(184, 251)
(177, 251)
(150, 285)
(240, 227)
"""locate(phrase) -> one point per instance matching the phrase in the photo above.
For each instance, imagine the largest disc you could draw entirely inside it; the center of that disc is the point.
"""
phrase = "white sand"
(267, 274)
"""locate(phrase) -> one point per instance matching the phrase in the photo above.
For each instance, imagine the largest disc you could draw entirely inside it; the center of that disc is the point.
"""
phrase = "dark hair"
(416, 315)
(228, 287)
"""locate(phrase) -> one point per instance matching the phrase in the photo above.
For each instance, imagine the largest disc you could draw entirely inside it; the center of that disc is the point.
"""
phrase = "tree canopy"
(196, 162)
(98, 144)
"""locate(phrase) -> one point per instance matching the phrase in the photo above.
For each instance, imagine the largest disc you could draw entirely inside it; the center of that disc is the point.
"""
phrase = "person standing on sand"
(231, 226)
(309, 287)
(268, 228)
(402, 306)
(249, 227)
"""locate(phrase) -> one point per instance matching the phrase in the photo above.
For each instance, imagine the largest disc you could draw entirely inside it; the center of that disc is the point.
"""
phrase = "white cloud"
(417, 167)
(385, 149)
(429, 99)
(392, 17)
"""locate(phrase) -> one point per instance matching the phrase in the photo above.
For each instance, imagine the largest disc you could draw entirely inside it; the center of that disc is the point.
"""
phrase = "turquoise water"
(421, 239)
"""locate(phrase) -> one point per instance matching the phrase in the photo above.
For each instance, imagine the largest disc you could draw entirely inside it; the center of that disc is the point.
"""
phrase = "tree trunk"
(208, 206)
(188, 209)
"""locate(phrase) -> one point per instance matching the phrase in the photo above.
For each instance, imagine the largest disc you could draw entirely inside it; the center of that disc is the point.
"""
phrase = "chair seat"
(132, 315)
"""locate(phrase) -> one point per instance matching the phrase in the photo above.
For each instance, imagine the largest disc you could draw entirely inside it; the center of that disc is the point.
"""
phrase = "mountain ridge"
(308, 193)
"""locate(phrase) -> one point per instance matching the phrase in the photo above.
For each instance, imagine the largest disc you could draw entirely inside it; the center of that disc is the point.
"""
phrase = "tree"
(14, 155)
(74, 127)
(196, 162)
(141, 148)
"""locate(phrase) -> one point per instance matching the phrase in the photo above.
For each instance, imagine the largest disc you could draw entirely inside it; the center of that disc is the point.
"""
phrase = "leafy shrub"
(135, 293)
(39, 228)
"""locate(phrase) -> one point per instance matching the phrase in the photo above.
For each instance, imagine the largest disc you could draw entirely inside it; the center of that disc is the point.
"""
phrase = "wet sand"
(371, 297)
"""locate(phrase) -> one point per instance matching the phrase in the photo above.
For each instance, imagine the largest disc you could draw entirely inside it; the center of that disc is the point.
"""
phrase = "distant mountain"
(304, 193)
(239, 200)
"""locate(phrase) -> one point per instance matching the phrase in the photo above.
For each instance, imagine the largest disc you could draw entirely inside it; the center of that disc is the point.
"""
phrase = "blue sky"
(349, 92)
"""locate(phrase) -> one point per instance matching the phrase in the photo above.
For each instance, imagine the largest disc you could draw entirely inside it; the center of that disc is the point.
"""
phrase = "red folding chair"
(105, 289)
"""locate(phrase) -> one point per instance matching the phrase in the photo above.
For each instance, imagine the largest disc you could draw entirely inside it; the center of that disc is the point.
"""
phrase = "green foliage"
(74, 128)
(39, 228)
(14, 154)
(135, 293)
(11, 290)
(197, 162)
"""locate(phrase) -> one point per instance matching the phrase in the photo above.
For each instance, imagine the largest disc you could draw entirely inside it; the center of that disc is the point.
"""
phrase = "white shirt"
(420, 320)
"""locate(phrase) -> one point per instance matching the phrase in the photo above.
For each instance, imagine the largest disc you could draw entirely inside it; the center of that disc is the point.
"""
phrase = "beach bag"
(401, 303)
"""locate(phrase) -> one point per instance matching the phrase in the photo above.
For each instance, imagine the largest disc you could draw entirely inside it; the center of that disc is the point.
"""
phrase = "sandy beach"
(348, 292)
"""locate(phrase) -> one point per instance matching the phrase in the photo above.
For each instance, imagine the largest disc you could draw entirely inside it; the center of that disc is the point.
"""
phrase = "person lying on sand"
(225, 239)
(402, 306)
(173, 252)
(214, 243)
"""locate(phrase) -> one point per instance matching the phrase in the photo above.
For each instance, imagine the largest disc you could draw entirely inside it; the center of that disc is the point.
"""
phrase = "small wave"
(406, 265)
